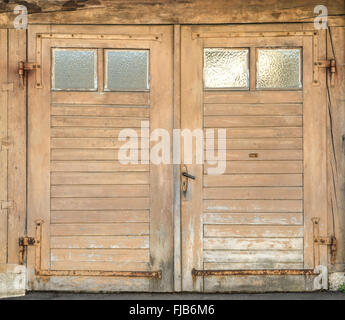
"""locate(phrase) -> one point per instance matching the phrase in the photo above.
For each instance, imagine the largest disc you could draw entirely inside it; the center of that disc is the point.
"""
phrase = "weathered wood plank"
(262, 143)
(101, 265)
(118, 242)
(103, 111)
(99, 178)
(253, 244)
(3, 135)
(270, 155)
(96, 166)
(253, 193)
(262, 132)
(168, 12)
(253, 109)
(106, 143)
(17, 156)
(253, 205)
(273, 218)
(264, 180)
(115, 229)
(71, 132)
(100, 203)
(236, 167)
(100, 191)
(92, 255)
(251, 121)
(220, 231)
(253, 266)
(253, 256)
(90, 216)
(96, 122)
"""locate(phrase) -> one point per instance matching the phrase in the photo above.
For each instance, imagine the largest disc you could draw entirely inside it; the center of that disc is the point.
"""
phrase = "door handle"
(185, 177)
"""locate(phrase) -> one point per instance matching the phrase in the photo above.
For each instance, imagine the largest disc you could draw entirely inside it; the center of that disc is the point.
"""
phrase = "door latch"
(23, 68)
(185, 177)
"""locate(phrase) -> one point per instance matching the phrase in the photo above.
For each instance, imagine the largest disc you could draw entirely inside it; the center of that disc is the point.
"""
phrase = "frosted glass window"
(226, 68)
(74, 69)
(127, 70)
(278, 69)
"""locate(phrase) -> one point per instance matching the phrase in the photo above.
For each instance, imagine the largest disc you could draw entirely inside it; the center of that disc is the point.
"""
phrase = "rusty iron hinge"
(331, 65)
(23, 68)
(330, 241)
(23, 243)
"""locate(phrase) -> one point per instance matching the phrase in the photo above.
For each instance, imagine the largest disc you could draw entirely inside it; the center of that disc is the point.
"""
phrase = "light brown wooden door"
(104, 225)
(260, 85)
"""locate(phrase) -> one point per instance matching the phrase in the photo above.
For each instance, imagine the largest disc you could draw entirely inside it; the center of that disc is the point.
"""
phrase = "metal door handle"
(187, 175)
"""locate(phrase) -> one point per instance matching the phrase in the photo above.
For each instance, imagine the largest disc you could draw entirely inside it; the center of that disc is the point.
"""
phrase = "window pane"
(226, 68)
(74, 69)
(127, 70)
(278, 69)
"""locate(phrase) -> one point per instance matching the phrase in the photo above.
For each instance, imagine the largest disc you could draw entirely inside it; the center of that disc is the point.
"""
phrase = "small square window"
(74, 69)
(127, 70)
(226, 68)
(278, 69)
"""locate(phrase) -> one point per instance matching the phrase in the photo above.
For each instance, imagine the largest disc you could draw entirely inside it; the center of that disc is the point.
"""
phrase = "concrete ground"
(183, 296)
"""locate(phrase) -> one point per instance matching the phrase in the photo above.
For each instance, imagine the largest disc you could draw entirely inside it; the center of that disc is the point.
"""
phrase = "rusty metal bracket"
(330, 241)
(331, 66)
(273, 272)
(23, 68)
(23, 242)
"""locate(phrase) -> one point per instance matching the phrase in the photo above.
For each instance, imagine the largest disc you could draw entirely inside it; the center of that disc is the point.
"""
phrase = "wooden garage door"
(261, 89)
(104, 222)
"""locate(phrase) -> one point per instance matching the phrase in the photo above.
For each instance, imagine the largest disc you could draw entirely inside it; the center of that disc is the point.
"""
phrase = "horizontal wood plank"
(253, 244)
(108, 143)
(253, 265)
(252, 121)
(253, 205)
(104, 98)
(96, 166)
(100, 203)
(99, 178)
(262, 143)
(252, 180)
(102, 111)
(232, 231)
(111, 255)
(253, 256)
(84, 132)
(225, 97)
(100, 191)
(260, 132)
(109, 229)
(253, 109)
(101, 265)
(92, 154)
(259, 167)
(119, 242)
(96, 122)
(273, 218)
(93, 216)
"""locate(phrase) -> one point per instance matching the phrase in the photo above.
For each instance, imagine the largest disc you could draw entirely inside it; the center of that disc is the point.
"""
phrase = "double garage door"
(114, 209)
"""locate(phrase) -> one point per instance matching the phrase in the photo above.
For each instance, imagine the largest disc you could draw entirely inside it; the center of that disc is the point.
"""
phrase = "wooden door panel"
(257, 214)
(99, 214)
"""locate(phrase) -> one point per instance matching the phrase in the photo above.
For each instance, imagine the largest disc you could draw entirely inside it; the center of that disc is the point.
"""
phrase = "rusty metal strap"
(87, 273)
(277, 272)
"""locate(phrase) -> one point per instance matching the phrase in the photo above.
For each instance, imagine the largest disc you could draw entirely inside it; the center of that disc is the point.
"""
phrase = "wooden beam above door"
(170, 12)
